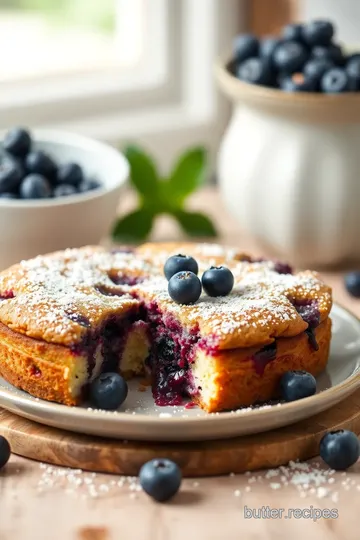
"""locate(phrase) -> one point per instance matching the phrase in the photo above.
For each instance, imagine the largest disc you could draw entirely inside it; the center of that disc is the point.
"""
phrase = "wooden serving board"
(264, 450)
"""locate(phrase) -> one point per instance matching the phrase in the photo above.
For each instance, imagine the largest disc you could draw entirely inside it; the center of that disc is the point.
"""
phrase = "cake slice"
(68, 316)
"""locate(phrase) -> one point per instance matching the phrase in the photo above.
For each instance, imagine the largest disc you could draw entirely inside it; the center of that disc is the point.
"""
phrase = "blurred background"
(120, 69)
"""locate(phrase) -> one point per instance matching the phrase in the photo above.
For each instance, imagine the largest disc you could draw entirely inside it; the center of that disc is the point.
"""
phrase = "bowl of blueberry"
(289, 160)
(57, 190)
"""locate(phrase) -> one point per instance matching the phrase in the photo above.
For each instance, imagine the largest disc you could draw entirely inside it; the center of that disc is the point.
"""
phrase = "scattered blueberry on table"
(340, 449)
(296, 385)
(5, 451)
(108, 391)
(303, 58)
(352, 283)
(28, 173)
(160, 479)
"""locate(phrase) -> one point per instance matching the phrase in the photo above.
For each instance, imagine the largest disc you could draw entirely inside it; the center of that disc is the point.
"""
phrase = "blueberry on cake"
(67, 317)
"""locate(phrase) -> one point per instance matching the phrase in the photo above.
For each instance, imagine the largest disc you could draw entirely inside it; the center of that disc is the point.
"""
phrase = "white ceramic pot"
(34, 227)
(289, 171)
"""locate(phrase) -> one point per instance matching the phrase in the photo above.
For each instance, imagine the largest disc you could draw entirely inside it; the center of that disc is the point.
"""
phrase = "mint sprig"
(157, 195)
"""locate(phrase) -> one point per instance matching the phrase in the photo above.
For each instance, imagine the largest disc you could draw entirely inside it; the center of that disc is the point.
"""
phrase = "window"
(115, 69)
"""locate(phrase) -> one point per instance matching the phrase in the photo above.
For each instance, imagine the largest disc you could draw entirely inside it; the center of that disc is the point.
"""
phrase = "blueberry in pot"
(255, 71)
(335, 81)
(266, 52)
(5, 451)
(217, 281)
(268, 45)
(352, 283)
(340, 449)
(290, 57)
(296, 385)
(88, 185)
(315, 68)
(64, 190)
(40, 163)
(160, 479)
(332, 52)
(10, 174)
(184, 287)
(318, 32)
(298, 83)
(292, 32)
(70, 173)
(108, 391)
(179, 263)
(35, 186)
(17, 142)
(245, 46)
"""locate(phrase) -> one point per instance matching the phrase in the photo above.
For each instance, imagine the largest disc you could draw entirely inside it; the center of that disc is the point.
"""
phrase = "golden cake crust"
(55, 298)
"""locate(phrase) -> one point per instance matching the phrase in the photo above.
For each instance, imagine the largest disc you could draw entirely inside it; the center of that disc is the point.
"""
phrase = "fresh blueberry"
(10, 174)
(40, 163)
(340, 449)
(352, 283)
(332, 52)
(245, 46)
(290, 57)
(297, 385)
(292, 32)
(180, 263)
(318, 32)
(335, 81)
(315, 68)
(297, 83)
(353, 71)
(35, 186)
(88, 185)
(217, 281)
(7, 195)
(160, 479)
(266, 51)
(70, 173)
(255, 71)
(353, 60)
(17, 142)
(184, 287)
(63, 190)
(108, 391)
(268, 45)
(5, 451)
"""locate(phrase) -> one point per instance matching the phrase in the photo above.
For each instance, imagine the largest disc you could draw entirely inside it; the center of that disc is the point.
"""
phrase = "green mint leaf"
(187, 175)
(195, 224)
(133, 227)
(143, 173)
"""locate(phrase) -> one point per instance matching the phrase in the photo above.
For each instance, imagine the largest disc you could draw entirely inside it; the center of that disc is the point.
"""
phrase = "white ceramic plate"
(142, 420)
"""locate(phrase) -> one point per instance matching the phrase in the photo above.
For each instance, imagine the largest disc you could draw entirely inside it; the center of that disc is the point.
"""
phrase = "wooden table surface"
(42, 502)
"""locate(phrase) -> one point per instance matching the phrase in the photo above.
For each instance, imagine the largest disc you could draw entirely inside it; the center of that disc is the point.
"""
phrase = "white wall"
(345, 13)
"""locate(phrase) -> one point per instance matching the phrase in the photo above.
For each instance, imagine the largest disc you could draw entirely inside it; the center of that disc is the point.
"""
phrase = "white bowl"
(34, 227)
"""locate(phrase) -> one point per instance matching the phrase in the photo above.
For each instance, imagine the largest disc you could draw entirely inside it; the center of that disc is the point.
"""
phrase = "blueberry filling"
(169, 359)
(263, 357)
(79, 319)
(7, 295)
(121, 279)
(309, 311)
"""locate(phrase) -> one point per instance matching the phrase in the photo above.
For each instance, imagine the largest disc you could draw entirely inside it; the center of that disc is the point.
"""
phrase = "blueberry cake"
(71, 315)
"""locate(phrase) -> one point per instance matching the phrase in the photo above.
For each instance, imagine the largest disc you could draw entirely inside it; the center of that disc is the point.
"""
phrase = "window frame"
(175, 91)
